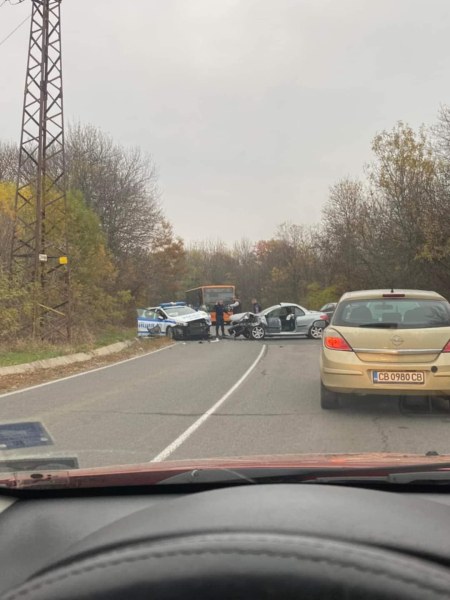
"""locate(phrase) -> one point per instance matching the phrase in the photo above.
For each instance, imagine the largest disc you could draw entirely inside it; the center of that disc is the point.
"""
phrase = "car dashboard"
(244, 541)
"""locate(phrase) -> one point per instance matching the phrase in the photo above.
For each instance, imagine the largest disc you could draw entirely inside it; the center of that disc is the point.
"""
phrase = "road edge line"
(120, 362)
(170, 449)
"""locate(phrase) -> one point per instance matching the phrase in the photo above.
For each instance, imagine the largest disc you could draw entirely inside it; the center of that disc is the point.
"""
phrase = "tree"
(121, 248)
(16, 307)
(436, 249)
(319, 296)
(156, 275)
(247, 272)
(7, 193)
(120, 185)
(9, 161)
(290, 259)
(344, 236)
(209, 263)
(168, 265)
(97, 300)
(405, 180)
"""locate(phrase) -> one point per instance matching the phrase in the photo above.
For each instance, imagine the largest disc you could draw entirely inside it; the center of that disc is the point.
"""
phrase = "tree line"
(388, 228)
(123, 252)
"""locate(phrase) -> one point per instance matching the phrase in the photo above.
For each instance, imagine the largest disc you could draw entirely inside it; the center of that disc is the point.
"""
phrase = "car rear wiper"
(380, 325)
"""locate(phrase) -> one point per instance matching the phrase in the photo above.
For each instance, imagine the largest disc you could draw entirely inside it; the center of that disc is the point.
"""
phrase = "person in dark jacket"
(236, 306)
(220, 311)
(256, 306)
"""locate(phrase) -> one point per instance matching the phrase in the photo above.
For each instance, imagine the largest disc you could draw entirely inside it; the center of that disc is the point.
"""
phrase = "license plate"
(414, 377)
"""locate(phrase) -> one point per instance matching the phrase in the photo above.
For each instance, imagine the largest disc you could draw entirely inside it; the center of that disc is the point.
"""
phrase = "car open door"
(302, 321)
(274, 321)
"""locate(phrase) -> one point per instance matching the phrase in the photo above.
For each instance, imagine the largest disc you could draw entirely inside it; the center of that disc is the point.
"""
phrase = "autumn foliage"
(388, 229)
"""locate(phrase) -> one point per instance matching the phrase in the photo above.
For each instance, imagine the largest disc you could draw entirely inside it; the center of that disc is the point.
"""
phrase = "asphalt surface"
(183, 402)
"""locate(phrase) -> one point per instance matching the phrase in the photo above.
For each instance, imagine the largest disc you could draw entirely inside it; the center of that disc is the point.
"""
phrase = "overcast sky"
(251, 109)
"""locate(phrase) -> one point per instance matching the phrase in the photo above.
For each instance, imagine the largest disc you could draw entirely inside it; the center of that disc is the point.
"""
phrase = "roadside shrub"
(16, 307)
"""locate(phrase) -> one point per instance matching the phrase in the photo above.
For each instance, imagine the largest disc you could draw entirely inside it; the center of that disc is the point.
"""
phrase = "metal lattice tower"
(39, 252)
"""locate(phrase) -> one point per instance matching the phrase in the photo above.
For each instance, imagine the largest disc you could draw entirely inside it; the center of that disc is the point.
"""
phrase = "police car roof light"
(168, 304)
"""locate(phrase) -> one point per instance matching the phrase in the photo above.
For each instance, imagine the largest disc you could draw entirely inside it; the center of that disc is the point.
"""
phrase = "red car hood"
(369, 464)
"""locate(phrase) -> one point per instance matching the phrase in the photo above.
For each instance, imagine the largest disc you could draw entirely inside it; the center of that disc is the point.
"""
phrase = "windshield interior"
(277, 156)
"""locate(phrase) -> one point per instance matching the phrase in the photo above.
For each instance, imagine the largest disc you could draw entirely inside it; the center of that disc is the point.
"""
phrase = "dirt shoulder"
(138, 347)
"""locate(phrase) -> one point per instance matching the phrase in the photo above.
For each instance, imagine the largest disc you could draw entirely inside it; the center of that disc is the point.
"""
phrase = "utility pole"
(39, 256)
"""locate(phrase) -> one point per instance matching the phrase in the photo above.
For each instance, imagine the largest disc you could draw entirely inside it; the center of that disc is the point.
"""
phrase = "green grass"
(111, 336)
(17, 357)
(24, 352)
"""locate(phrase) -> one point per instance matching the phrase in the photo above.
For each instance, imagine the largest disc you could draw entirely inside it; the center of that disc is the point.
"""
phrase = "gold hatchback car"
(385, 342)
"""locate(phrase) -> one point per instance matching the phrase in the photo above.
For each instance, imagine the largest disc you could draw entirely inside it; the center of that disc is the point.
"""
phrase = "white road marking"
(121, 362)
(170, 449)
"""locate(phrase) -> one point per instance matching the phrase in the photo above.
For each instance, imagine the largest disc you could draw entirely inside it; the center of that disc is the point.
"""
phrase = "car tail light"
(334, 341)
(324, 317)
(446, 347)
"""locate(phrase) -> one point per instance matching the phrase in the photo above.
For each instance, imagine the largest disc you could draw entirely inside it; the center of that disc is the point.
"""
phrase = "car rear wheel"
(315, 332)
(328, 400)
(257, 332)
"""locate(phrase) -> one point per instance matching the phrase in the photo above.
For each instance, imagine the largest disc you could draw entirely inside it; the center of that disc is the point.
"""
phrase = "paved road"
(135, 411)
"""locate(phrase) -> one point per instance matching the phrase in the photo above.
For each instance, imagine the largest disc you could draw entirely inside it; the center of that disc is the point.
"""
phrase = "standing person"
(256, 306)
(220, 311)
(236, 306)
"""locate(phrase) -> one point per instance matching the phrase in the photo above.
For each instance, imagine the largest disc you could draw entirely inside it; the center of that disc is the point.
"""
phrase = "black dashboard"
(249, 541)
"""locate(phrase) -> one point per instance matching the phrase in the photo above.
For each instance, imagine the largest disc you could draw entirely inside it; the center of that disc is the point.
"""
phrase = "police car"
(175, 320)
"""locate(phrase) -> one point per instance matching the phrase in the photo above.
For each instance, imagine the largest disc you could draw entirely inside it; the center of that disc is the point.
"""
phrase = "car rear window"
(401, 313)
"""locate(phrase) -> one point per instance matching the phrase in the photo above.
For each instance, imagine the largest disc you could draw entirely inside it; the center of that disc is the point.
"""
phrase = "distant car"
(284, 320)
(386, 342)
(329, 309)
(175, 320)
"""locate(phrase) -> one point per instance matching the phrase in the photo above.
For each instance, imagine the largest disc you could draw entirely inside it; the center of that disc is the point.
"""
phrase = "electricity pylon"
(39, 256)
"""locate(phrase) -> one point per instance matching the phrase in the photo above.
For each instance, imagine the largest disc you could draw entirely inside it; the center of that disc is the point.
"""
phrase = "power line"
(14, 30)
(10, 2)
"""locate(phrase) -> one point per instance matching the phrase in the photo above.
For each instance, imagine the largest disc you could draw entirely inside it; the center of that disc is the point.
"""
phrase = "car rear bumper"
(344, 372)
